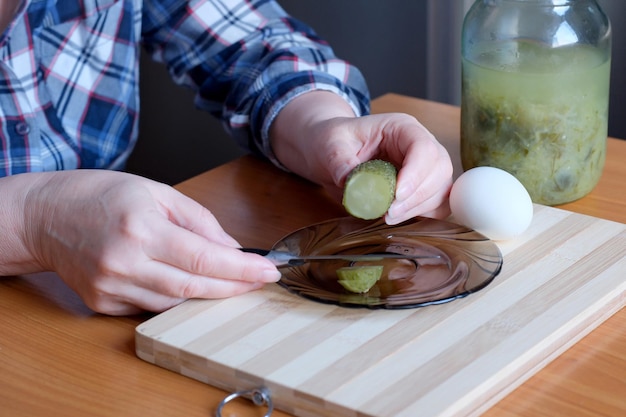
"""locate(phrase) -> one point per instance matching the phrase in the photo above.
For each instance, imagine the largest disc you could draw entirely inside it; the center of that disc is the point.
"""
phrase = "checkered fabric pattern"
(69, 74)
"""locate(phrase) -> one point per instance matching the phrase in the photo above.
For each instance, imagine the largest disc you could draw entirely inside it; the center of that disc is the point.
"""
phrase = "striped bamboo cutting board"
(562, 279)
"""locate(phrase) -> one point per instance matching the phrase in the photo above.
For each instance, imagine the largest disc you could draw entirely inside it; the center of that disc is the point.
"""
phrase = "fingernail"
(396, 210)
(390, 220)
(402, 193)
(341, 173)
(257, 286)
(270, 275)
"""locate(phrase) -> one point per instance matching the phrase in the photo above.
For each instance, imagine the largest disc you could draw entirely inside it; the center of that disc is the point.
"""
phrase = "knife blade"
(286, 259)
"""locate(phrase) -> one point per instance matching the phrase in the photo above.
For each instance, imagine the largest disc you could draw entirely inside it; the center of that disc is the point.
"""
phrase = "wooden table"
(57, 358)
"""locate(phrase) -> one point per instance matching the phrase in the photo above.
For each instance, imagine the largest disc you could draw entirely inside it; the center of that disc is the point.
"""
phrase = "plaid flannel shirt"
(69, 74)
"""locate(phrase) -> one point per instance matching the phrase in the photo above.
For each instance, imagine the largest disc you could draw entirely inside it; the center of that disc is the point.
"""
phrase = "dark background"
(388, 41)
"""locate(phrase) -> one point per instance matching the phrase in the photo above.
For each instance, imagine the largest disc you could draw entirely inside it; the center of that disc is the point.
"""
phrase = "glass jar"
(535, 93)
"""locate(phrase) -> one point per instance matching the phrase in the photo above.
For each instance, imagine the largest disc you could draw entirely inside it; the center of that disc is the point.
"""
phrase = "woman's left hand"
(318, 137)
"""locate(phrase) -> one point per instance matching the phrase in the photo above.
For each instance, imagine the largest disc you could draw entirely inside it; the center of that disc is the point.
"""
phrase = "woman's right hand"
(123, 243)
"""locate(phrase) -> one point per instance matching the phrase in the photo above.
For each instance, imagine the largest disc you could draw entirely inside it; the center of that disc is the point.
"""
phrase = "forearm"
(246, 76)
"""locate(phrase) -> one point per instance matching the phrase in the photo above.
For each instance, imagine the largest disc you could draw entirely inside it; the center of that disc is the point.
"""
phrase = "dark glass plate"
(468, 261)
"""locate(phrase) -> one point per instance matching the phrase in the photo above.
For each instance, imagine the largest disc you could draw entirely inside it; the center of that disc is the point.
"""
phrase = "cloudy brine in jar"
(539, 113)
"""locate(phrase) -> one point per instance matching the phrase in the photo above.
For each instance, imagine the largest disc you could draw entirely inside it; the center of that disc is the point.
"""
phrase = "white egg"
(492, 202)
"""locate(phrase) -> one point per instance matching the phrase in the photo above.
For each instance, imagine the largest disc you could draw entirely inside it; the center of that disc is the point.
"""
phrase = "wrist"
(300, 125)
(18, 225)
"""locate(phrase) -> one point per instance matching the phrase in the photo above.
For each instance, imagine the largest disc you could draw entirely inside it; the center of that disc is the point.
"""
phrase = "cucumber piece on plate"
(359, 279)
(370, 189)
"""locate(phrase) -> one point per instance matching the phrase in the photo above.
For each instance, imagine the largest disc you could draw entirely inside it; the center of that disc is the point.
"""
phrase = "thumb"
(342, 158)
(341, 168)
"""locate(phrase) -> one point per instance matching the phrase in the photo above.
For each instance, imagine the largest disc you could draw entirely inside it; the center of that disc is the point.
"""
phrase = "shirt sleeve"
(246, 60)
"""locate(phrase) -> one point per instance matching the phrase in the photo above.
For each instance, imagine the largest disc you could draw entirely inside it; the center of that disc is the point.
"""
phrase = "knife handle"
(279, 258)
(262, 252)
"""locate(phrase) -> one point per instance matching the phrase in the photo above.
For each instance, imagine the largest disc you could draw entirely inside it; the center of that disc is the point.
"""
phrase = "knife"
(284, 259)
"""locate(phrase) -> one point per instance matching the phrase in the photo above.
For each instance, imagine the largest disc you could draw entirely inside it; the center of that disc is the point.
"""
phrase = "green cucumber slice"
(370, 189)
(359, 279)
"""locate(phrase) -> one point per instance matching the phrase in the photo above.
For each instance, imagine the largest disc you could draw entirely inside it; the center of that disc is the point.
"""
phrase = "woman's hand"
(125, 243)
(318, 137)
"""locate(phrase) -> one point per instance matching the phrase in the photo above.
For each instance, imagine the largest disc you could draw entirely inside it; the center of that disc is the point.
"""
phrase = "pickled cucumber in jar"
(539, 113)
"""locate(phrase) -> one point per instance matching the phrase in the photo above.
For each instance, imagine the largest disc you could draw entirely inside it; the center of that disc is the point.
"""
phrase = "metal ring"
(258, 396)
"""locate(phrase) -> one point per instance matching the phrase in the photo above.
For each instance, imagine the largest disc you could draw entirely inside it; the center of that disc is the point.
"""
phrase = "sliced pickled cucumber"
(370, 189)
(359, 279)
